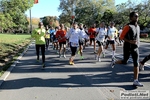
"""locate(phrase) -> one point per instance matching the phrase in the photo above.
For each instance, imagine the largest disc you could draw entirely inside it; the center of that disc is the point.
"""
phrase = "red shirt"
(60, 35)
(92, 32)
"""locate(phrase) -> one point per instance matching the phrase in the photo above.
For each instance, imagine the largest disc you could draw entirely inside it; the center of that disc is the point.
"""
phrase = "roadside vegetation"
(11, 46)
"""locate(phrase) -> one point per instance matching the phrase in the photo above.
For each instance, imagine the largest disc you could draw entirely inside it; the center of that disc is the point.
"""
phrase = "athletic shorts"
(81, 42)
(110, 42)
(92, 39)
(100, 43)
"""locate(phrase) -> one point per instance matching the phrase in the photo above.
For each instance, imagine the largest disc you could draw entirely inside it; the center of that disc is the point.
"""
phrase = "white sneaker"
(64, 56)
(99, 59)
(113, 62)
(95, 57)
(95, 51)
(137, 83)
(141, 67)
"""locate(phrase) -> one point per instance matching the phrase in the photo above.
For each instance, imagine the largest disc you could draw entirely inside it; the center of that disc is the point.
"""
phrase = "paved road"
(86, 80)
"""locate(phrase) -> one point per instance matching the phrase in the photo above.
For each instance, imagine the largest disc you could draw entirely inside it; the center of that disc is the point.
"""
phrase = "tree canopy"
(94, 11)
(12, 14)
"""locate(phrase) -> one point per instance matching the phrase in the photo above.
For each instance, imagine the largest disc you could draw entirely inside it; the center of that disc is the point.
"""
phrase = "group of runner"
(78, 36)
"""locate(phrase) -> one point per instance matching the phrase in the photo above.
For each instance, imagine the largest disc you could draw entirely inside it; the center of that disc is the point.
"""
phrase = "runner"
(92, 33)
(130, 35)
(60, 35)
(117, 37)
(81, 41)
(119, 33)
(51, 31)
(73, 36)
(55, 41)
(39, 36)
(86, 31)
(141, 67)
(102, 32)
(67, 44)
(47, 37)
(111, 40)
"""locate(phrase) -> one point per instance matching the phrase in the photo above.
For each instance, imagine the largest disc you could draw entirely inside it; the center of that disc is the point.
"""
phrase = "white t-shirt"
(112, 33)
(74, 34)
(101, 34)
(84, 35)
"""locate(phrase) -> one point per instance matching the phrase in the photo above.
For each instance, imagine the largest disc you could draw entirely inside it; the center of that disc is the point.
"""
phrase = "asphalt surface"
(86, 80)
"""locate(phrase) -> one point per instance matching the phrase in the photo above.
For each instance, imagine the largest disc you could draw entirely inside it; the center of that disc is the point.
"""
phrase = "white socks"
(113, 54)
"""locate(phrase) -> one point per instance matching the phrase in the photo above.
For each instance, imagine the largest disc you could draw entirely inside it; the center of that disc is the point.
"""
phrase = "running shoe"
(71, 63)
(103, 54)
(81, 57)
(99, 59)
(95, 51)
(37, 60)
(78, 52)
(141, 67)
(113, 62)
(64, 56)
(95, 57)
(43, 65)
(59, 56)
(137, 83)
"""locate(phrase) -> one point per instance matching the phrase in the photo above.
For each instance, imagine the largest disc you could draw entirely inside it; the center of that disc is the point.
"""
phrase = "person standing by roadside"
(101, 33)
(130, 35)
(39, 35)
(60, 35)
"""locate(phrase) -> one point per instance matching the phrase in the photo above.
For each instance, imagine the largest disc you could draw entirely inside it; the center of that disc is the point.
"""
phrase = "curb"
(8, 71)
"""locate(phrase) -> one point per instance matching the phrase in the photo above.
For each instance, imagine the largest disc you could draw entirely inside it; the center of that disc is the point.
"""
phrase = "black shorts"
(81, 42)
(92, 39)
(54, 38)
(110, 42)
(127, 51)
(62, 43)
(100, 43)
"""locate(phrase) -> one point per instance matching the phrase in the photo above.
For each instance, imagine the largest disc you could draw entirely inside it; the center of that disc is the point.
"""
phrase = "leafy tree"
(50, 21)
(14, 17)
(86, 11)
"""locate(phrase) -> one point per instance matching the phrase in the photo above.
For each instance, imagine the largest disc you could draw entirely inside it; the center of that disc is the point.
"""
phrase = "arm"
(124, 32)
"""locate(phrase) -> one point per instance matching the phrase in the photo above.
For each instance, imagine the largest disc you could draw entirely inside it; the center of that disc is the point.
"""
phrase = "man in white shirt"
(111, 41)
(73, 36)
(102, 32)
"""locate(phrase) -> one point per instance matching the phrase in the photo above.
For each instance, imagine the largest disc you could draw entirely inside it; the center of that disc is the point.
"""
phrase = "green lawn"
(11, 45)
(145, 40)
